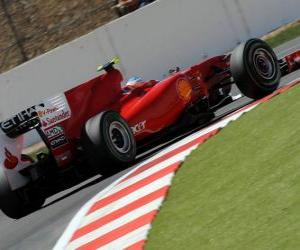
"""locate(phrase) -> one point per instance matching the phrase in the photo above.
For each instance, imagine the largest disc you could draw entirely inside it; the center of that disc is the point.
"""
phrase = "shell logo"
(184, 89)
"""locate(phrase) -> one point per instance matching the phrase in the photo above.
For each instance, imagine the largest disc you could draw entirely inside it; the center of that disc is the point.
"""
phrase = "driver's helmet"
(134, 82)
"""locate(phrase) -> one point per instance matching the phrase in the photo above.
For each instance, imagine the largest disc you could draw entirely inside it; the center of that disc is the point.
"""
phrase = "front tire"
(108, 141)
(255, 68)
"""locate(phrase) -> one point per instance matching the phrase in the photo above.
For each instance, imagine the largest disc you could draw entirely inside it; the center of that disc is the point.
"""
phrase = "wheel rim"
(119, 137)
(264, 64)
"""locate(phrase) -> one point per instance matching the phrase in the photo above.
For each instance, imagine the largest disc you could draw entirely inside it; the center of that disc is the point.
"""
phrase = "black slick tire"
(255, 68)
(13, 204)
(108, 142)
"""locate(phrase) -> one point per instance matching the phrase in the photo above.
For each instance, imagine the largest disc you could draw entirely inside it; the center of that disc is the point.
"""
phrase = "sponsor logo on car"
(184, 89)
(58, 142)
(55, 110)
(11, 161)
(138, 128)
(19, 118)
(54, 131)
(58, 117)
(47, 111)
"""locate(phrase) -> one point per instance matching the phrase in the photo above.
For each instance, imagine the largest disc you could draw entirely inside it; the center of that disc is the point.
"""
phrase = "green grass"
(241, 189)
(286, 35)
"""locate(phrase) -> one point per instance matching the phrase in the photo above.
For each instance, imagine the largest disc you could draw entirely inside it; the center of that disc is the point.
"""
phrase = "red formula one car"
(105, 123)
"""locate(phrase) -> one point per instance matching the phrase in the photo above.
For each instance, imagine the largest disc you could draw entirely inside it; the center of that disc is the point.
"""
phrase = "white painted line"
(77, 219)
(125, 200)
(128, 239)
(160, 166)
(66, 192)
(134, 214)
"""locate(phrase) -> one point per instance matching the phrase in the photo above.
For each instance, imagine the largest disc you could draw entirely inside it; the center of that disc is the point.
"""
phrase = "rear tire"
(255, 68)
(108, 142)
(13, 204)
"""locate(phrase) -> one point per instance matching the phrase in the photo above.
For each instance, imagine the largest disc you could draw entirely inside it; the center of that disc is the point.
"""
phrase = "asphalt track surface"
(41, 229)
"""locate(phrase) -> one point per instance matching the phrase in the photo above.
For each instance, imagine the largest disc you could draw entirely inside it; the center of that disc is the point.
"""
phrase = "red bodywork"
(293, 61)
(154, 105)
(148, 108)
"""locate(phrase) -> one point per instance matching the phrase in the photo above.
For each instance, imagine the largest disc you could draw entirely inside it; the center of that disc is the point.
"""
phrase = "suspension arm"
(290, 63)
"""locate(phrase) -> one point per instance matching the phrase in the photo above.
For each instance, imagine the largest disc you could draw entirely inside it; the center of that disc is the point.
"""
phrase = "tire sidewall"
(267, 84)
(106, 120)
(244, 74)
(98, 147)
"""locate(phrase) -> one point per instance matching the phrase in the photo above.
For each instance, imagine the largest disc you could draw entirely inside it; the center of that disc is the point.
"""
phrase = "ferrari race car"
(103, 123)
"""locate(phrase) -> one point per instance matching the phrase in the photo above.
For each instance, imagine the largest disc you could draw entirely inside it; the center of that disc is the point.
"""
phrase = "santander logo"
(11, 161)
(55, 110)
